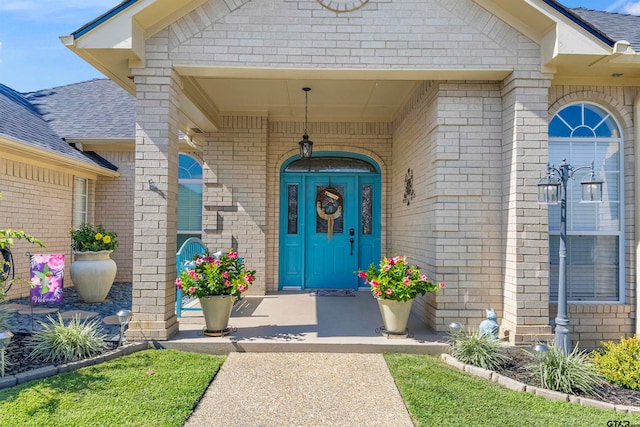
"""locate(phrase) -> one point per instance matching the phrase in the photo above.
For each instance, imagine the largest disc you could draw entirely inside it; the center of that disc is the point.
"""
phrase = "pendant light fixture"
(306, 146)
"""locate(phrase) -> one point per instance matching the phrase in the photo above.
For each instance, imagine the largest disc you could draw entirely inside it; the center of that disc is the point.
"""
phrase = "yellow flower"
(106, 239)
(98, 236)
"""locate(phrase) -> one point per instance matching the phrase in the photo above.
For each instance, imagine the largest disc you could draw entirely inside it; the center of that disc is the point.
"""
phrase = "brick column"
(526, 252)
(155, 212)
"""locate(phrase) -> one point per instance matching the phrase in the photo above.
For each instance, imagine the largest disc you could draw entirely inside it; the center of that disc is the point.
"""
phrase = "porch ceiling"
(329, 100)
(336, 95)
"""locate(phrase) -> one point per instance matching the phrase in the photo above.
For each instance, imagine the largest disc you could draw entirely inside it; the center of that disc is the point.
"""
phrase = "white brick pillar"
(526, 256)
(155, 211)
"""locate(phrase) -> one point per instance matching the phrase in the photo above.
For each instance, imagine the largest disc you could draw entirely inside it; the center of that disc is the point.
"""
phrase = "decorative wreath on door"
(329, 207)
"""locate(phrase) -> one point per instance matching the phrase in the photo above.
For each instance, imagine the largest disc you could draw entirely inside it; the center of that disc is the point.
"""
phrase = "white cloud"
(613, 7)
(625, 6)
(632, 7)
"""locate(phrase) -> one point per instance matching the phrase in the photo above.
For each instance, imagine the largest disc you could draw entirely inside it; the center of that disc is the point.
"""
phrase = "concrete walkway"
(302, 389)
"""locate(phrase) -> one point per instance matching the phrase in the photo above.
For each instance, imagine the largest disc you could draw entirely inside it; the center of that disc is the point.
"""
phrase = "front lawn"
(437, 394)
(149, 388)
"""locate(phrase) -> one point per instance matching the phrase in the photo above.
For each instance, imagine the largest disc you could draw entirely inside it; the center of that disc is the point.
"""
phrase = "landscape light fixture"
(124, 317)
(5, 338)
(541, 350)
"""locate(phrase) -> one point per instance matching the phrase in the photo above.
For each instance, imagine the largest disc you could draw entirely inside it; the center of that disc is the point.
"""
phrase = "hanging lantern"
(306, 145)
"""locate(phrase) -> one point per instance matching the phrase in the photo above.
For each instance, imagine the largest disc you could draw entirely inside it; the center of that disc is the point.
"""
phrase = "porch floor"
(298, 322)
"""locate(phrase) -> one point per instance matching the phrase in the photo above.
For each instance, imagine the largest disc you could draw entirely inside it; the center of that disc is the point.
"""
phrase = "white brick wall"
(380, 35)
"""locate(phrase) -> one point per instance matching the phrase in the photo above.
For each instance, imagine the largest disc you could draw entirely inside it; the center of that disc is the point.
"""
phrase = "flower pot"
(216, 310)
(395, 314)
(92, 274)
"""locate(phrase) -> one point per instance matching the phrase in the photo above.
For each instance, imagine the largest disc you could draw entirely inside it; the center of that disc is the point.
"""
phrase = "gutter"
(102, 18)
(24, 151)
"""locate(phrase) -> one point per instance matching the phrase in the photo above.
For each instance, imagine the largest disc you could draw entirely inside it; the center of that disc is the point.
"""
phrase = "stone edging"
(511, 384)
(49, 371)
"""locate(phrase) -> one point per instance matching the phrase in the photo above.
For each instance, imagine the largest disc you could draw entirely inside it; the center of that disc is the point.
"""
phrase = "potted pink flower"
(216, 281)
(395, 284)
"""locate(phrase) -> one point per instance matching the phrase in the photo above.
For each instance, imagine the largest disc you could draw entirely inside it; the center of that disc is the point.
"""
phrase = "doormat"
(332, 293)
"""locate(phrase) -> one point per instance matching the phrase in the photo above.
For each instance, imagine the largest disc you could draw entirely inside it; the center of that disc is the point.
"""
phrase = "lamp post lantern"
(552, 189)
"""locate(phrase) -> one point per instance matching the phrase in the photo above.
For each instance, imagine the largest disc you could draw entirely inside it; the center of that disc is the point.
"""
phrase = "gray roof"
(93, 109)
(616, 26)
(21, 121)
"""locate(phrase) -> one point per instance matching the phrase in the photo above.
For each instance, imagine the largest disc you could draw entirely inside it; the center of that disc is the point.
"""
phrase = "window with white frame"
(582, 133)
(81, 192)
(189, 198)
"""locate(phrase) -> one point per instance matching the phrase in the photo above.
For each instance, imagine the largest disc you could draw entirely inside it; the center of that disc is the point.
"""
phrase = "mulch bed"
(610, 393)
(17, 355)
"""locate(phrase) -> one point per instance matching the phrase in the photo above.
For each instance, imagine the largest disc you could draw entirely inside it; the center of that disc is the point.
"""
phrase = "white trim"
(636, 148)
(85, 196)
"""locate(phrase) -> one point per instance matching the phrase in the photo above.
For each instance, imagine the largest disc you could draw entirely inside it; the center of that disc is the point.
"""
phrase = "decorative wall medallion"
(409, 194)
(329, 207)
(342, 5)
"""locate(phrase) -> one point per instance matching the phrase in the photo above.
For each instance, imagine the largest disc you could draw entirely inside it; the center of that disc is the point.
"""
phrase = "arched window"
(189, 198)
(583, 133)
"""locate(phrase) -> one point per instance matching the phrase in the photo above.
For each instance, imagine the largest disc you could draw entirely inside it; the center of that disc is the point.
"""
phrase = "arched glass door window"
(189, 198)
(583, 133)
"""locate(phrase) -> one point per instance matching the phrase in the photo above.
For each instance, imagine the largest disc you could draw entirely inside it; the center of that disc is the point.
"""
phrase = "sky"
(33, 58)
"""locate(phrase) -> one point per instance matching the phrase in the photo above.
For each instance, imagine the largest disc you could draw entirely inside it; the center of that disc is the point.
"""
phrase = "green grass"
(437, 394)
(149, 388)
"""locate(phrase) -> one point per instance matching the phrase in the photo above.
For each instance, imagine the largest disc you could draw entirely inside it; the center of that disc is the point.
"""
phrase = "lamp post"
(552, 189)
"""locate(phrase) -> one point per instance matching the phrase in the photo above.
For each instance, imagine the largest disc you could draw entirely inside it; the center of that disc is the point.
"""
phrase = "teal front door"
(330, 222)
(331, 251)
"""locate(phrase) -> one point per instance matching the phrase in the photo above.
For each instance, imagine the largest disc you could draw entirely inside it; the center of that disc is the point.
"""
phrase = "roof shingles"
(616, 26)
(20, 121)
(95, 109)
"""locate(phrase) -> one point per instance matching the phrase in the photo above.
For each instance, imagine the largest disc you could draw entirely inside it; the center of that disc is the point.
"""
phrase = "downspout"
(636, 156)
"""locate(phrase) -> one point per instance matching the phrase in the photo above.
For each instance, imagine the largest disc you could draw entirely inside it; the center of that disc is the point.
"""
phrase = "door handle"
(352, 233)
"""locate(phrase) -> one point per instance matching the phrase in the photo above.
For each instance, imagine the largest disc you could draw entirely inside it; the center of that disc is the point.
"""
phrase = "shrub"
(620, 362)
(483, 350)
(60, 343)
(570, 373)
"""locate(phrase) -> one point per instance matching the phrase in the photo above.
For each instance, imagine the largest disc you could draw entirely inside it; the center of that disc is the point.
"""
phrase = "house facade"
(432, 123)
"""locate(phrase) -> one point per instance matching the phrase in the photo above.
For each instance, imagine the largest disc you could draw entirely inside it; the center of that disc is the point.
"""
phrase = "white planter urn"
(93, 274)
(395, 315)
(217, 311)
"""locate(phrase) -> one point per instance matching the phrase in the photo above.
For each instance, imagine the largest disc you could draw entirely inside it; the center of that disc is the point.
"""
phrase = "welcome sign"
(47, 277)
